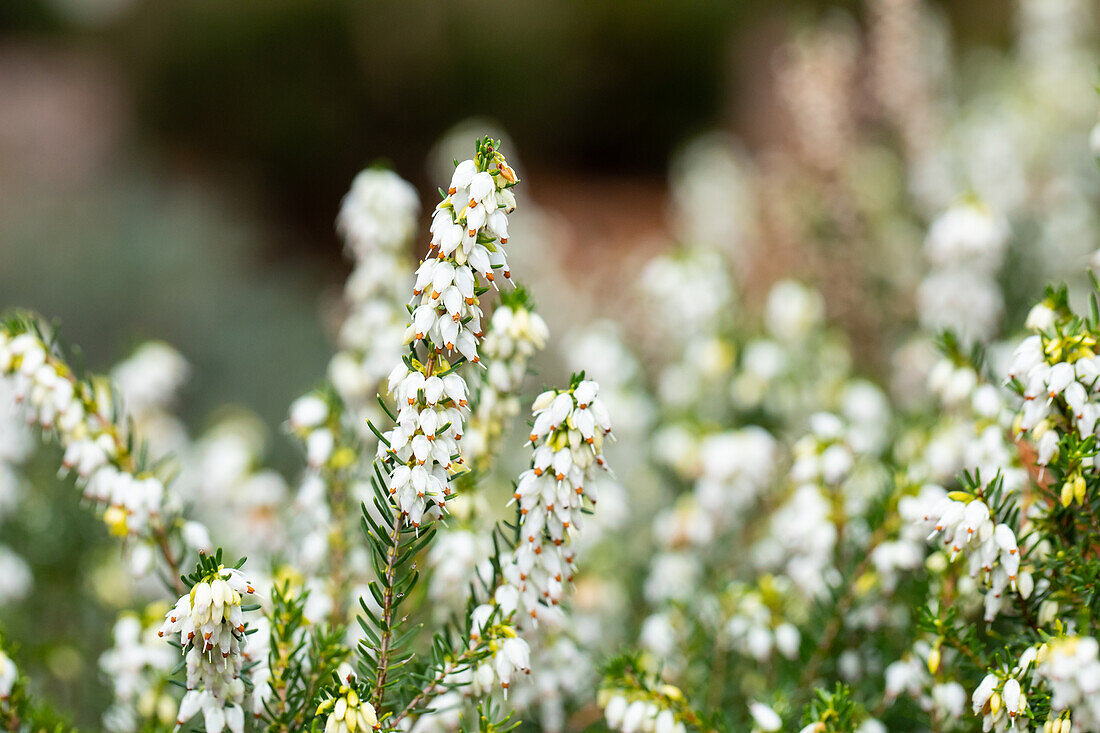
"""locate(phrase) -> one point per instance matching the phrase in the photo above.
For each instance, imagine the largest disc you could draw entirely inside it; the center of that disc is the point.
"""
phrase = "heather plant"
(324, 627)
(801, 532)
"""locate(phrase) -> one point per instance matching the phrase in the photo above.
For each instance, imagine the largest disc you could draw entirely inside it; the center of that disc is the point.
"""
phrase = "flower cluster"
(346, 712)
(85, 418)
(469, 231)
(424, 443)
(999, 700)
(964, 523)
(1056, 370)
(640, 716)
(508, 653)
(137, 664)
(568, 434)
(636, 701)
(377, 219)
(211, 627)
(965, 247)
(1070, 666)
(16, 578)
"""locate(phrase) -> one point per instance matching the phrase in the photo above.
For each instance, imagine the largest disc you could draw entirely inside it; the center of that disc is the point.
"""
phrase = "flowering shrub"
(793, 539)
(322, 637)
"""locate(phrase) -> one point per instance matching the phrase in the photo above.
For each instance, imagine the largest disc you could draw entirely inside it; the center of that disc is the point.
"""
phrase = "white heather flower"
(347, 712)
(673, 576)
(905, 676)
(151, 377)
(1040, 318)
(999, 699)
(9, 674)
(686, 312)
(211, 630)
(965, 247)
(962, 301)
(135, 664)
(793, 311)
(736, 467)
(968, 234)
(1071, 667)
(637, 716)
(16, 579)
(948, 700)
(308, 411)
(765, 718)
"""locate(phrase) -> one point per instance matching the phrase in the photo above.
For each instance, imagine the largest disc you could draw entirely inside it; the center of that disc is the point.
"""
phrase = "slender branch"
(161, 537)
(386, 632)
(445, 671)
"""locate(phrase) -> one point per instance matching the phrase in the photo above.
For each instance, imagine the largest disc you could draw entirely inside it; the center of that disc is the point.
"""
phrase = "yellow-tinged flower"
(115, 519)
